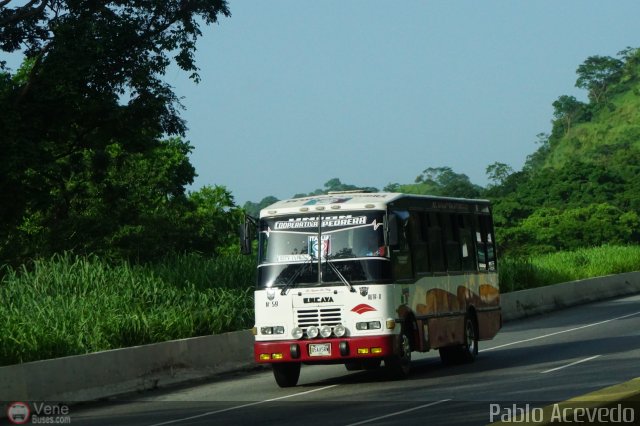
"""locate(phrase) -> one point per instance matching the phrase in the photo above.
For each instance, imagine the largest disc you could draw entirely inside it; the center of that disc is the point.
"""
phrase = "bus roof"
(354, 200)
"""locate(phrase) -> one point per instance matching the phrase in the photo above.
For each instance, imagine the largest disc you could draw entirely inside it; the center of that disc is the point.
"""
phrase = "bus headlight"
(325, 331)
(312, 332)
(297, 333)
(272, 330)
(339, 330)
(370, 325)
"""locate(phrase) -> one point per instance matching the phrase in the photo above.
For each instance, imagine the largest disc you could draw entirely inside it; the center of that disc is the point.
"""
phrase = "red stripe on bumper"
(284, 347)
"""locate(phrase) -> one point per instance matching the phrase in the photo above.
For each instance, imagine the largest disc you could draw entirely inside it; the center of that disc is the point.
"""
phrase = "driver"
(370, 246)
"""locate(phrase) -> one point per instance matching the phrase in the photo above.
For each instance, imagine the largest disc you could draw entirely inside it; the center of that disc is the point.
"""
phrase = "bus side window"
(436, 246)
(419, 245)
(491, 245)
(400, 253)
(481, 244)
(453, 249)
(485, 243)
(466, 238)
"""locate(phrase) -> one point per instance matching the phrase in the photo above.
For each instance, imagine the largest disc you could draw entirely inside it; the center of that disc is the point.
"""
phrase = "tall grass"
(229, 271)
(73, 305)
(537, 271)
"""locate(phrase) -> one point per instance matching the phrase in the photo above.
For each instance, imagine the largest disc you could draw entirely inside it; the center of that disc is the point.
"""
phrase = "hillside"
(612, 128)
(581, 187)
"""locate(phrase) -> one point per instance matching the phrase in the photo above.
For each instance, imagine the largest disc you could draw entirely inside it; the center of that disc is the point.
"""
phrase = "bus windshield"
(354, 243)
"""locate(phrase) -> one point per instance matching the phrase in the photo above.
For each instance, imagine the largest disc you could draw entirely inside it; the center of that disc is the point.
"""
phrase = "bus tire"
(450, 355)
(399, 366)
(469, 350)
(286, 373)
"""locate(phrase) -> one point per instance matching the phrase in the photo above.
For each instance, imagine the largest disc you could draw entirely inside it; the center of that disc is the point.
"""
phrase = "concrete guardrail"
(534, 301)
(116, 372)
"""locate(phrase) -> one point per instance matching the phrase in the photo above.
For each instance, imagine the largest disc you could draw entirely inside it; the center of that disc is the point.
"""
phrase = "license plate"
(320, 349)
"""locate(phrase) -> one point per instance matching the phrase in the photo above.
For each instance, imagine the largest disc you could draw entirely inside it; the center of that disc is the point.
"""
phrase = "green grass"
(522, 273)
(71, 305)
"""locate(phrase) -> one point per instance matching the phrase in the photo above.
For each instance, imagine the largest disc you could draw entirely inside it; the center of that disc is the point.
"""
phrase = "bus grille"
(323, 316)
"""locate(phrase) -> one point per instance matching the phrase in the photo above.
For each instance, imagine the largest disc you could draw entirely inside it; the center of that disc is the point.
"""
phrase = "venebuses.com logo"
(18, 413)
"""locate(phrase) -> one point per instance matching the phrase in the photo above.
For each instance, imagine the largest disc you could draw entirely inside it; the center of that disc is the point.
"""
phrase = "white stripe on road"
(569, 365)
(399, 412)
(559, 332)
(237, 407)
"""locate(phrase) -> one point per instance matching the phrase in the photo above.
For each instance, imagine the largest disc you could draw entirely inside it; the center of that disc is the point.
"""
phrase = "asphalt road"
(535, 361)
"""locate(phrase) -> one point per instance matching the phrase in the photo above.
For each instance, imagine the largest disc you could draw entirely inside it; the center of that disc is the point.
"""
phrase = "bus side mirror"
(245, 234)
(392, 231)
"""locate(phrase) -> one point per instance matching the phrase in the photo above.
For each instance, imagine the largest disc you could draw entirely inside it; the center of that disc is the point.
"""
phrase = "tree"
(392, 187)
(116, 204)
(536, 160)
(596, 74)
(567, 110)
(253, 209)
(443, 181)
(596, 224)
(88, 100)
(498, 172)
(631, 58)
(214, 221)
(151, 28)
(335, 184)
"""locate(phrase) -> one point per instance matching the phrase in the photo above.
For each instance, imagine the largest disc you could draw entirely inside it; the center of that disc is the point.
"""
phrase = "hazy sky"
(295, 92)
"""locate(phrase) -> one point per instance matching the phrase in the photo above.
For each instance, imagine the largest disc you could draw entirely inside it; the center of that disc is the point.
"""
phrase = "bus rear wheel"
(466, 352)
(399, 366)
(286, 374)
(469, 350)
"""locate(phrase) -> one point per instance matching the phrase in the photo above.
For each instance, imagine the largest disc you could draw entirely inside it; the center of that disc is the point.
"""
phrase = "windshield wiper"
(295, 276)
(291, 281)
(334, 268)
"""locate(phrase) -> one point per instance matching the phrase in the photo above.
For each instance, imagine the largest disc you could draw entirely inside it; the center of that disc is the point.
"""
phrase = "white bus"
(364, 278)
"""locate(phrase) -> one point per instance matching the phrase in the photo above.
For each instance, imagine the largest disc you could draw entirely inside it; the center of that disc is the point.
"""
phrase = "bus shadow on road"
(533, 357)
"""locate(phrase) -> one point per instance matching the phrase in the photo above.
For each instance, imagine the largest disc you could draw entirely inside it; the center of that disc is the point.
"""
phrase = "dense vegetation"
(90, 135)
(101, 246)
(519, 273)
(71, 305)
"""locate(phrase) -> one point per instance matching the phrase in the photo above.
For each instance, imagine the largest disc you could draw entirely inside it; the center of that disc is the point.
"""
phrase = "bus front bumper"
(322, 350)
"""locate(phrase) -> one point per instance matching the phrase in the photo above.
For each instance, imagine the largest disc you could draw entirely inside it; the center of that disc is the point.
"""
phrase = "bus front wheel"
(286, 374)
